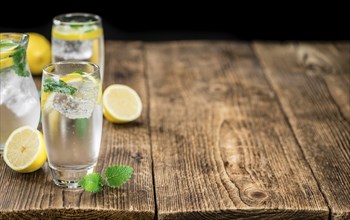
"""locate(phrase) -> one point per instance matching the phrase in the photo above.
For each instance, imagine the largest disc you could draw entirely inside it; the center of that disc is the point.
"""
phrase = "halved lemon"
(121, 104)
(25, 150)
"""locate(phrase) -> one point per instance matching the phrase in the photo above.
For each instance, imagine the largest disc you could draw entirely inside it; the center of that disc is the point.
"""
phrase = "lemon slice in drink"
(121, 104)
(83, 33)
(44, 96)
(7, 47)
(72, 77)
(6, 62)
(25, 150)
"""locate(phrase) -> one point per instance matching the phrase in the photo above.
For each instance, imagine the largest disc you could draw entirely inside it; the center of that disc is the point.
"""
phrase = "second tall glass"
(78, 37)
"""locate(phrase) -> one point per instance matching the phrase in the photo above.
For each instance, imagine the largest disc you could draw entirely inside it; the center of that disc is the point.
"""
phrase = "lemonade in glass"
(78, 37)
(19, 99)
(72, 119)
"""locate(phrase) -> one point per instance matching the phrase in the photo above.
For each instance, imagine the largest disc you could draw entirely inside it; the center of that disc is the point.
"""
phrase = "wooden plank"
(35, 195)
(338, 80)
(221, 145)
(312, 83)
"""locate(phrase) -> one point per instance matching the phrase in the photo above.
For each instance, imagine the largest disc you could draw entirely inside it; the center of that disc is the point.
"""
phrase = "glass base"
(69, 178)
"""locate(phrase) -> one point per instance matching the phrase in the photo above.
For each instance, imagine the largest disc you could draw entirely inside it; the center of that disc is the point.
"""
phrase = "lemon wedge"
(121, 104)
(25, 150)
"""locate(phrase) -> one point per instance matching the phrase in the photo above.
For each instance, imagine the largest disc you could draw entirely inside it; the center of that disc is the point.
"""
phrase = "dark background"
(179, 21)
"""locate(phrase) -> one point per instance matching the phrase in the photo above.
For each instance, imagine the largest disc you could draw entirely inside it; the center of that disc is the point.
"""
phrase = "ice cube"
(73, 107)
(82, 103)
(18, 94)
(22, 104)
(9, 85)
(72, 50)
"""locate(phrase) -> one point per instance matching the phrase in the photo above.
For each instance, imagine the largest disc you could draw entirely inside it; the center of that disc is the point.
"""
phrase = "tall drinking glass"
(19, 99)
(71, 119)
(78, 37)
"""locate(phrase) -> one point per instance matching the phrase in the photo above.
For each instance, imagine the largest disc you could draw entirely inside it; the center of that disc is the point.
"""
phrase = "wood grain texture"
(313, 85)
(227, 138)
(221, 145)
(34, 195)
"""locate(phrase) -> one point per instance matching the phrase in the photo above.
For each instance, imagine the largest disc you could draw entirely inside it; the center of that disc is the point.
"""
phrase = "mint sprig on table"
(92, 182)
(118, 175)
(114, 175)
(51, 85)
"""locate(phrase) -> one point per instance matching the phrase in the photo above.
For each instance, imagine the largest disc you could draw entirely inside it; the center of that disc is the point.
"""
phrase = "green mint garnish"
(90, 30)
(5, 44)
(114, 175)
(118, 175)
(51, 85)
(92, 182)
(76, 26)
(79, 72)
(19, 61)
(80, 25)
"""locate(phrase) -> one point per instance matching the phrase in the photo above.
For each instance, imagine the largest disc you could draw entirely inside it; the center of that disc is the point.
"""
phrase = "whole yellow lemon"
(38, 53)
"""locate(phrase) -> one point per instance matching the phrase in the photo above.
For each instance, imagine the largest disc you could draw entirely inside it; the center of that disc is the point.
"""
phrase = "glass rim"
(58, 20)
(95, 66)
(22, 38)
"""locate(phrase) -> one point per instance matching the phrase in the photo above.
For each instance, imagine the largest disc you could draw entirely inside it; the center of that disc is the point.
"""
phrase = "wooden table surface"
(228, 130)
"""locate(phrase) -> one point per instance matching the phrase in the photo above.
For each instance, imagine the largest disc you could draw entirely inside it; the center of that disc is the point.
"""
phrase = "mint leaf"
(51, 85)
(6, 44)
(79, 72)
(115, 176)
(118, 175)
(81, 24)
(92, 182)
(19, 61)
(76, 26)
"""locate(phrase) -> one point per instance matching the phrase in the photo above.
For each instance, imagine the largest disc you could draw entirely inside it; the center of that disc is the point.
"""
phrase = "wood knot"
(137, 157)
(254, 196)
(314, 61)
(226, 163)
(218, 89)
(258, 195)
